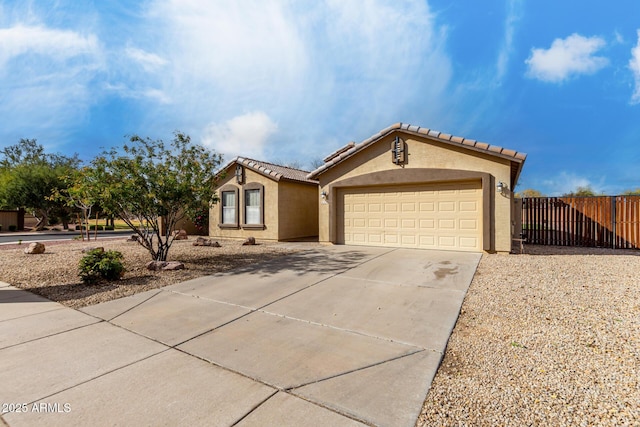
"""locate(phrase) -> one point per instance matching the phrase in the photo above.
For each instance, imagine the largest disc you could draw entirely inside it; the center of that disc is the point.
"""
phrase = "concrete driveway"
(330, 336)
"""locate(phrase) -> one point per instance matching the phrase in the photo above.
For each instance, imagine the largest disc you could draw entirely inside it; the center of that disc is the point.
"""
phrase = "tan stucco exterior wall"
(298, 204)
(424, 153)
(270, 231)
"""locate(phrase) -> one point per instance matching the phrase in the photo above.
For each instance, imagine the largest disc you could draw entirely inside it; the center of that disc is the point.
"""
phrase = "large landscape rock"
(181, 235)
(35, 248)
(250, 241)
(201, 241)
(165, 265)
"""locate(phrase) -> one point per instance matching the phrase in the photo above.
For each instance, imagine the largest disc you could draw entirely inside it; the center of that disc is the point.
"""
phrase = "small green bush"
(97, 264)
(93, 227)
(13, 228)
(109, 227)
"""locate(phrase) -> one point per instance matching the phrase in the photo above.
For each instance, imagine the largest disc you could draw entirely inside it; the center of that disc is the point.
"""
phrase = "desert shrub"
(97, 264)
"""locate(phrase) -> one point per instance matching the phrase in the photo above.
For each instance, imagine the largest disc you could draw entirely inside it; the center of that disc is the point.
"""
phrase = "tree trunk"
(42, 222)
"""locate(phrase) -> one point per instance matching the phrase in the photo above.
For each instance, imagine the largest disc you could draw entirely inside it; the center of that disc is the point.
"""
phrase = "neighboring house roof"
(275, 172)
(352, 148)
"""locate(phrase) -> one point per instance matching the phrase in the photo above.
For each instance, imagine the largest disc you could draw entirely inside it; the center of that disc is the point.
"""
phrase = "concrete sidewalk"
(330, 336)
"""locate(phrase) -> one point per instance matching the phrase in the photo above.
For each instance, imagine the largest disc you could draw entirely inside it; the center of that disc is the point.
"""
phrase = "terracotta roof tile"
(339, 151)
(276, 171)
(469, 142)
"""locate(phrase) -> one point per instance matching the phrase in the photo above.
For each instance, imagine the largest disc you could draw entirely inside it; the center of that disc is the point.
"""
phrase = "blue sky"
(294, 80)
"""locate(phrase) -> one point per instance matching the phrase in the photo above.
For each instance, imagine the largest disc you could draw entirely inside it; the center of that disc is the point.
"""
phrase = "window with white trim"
(253, 206)
(229, 207)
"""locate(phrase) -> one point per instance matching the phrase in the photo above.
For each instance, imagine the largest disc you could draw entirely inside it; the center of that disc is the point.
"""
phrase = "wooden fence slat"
(602, 221)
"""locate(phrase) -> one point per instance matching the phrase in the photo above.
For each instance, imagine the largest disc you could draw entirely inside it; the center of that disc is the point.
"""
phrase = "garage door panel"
(427, 207)
(375, 223)
(447, 242)
(468, 224)
(427, 224)
(359, 222)
(448, 206)
(408, 207)
(447, 224)
(391, 238)
(444, 216)
(469, 242)
(468, 206)
(391, 223)
(427, 241)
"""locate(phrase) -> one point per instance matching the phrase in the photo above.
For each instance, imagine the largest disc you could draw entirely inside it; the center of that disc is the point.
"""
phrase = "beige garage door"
(445, 216)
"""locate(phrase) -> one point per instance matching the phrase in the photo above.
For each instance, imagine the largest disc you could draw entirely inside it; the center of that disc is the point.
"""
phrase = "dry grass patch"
(54, 274)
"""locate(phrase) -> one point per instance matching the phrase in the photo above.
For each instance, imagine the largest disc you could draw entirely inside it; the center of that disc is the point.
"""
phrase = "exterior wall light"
(501, 187)
(324, 196)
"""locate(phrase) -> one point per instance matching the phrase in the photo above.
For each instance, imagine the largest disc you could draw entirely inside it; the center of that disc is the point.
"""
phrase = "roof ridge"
(272, 164)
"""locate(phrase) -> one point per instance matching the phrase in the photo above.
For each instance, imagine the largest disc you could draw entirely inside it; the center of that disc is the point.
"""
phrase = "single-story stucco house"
(414, 187)
(405, 186)
(265, 201)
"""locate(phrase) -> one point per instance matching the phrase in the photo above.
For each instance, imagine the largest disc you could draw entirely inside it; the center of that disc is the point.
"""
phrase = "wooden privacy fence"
(603, 221)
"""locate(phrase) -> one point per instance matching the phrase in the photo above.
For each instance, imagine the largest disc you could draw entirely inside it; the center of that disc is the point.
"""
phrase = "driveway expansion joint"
(135, 306)
(361, 368)
(350, 331)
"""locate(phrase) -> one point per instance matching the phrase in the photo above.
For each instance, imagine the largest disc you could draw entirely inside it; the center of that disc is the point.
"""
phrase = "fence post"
(20, 225)
(614, 238)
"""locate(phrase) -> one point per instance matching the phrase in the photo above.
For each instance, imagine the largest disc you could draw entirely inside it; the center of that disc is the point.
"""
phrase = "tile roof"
(276, 172)
(352, 148)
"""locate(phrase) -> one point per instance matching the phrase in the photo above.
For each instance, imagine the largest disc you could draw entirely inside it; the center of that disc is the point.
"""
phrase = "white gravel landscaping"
(549, 338)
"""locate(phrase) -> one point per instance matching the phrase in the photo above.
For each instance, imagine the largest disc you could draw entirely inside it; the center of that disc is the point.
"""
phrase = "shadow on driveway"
(308, 261)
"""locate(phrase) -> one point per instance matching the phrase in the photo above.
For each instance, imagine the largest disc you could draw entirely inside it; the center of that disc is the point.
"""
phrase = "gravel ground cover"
(54, 274)
(549, 338)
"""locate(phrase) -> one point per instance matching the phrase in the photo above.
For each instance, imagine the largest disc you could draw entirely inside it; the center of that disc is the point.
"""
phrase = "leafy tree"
(149, 180)
(29, 177)
(585, 191)
(316, 163)
(529, 192)
(80, 192)
(635, 192)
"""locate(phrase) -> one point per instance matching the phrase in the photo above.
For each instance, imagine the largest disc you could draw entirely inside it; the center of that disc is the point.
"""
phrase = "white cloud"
(245, 135)
(58, 44)
(514, 14)
(305, 65)
(149, 93)
(148, 61)
(565, 58)
(634, 65)
(51, 71)
(566, 182)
